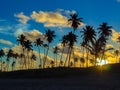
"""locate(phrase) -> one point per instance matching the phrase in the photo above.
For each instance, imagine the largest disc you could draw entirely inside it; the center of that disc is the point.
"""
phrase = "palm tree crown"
(74, 21)
(50, 35)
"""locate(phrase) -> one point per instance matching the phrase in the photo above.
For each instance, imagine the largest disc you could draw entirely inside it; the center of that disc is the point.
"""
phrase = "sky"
(33, 17)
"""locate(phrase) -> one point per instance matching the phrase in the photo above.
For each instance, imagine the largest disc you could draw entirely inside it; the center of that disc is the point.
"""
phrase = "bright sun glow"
(102, 62)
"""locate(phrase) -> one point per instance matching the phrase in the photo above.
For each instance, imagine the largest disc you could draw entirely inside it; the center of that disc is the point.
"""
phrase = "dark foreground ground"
(92, 80)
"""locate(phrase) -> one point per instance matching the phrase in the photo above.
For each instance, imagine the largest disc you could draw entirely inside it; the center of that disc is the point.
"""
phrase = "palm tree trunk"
(67, 57)
(61, 57)
(46, 57)
(40, 57)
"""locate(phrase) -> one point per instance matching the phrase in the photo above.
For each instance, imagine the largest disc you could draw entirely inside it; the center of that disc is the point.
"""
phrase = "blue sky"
(93, 12)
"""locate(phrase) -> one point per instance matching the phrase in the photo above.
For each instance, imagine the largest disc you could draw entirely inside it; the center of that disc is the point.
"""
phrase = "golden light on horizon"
(102, 62)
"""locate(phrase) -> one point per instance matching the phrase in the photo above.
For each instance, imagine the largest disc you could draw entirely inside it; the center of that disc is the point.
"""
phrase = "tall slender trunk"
(61, 57)
(46, 57)
(1, 64)
(87, 52)
(67, 57)
(40, 57)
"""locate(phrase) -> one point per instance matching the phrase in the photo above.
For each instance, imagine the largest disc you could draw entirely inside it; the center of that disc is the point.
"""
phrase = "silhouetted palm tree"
(63, 45)
(75, 61)
(105, 32)
(13, 65)
(71, 39)
(33, 58)
(82, 61)
(52, 64)
(55, 51)
(50, 35)
(2, 53)
(74, 21)
(21, 41)
(28, 47)
(39, 43)
(89, 36)
(116, 53)
(9, 55)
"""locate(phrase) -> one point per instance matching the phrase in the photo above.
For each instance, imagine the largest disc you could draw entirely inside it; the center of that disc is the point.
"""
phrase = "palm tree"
(2, 53)
(116, 53)
(74, 21)
(63, 43)
(55, 51)
(33, 58)
(15, 56)
(13, 65)
(88, 36)
(82, 61)
(9, 55)
(71, 39)
(28, 47)
(39, 43)
(21, 56)
(105, 32)
(75, 61)
(50, 35)
(21, 41)
(52, 64)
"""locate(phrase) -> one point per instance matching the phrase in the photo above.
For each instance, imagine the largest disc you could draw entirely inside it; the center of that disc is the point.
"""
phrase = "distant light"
(102, 62)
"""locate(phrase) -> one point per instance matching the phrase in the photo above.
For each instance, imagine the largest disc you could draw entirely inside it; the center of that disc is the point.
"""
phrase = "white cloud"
(50, 19)
(22, 18)
(20, 28)
(5, 42)
(33, 35)
(118, 0)
(115, 35)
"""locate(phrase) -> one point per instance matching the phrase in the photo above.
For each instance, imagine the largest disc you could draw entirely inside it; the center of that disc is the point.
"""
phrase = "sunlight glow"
(102, 62)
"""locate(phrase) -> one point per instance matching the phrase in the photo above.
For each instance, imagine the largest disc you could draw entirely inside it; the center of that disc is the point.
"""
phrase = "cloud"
(118, 0)
(109, 46)
(33, 35)
(5, 42)
(50, 19)
(22, 18)
(115, 35)
(20, 28)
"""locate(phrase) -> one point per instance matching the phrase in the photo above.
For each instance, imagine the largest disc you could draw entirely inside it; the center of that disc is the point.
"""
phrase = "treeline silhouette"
(93, 46)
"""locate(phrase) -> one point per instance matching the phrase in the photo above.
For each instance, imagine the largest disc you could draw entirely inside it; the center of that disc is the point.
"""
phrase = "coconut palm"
(55, 51)
(13, 65)
(28, 47)
(116, 53)
(71, 39)
(88, 36)
(33, 58)
(50, 35)
(82, 61)
(21, 41)
(39, 43)
(63, 45)
(52, 64)
(74, 21)
(75, 61)
(9, 55)
(2, 53)
(105, 32)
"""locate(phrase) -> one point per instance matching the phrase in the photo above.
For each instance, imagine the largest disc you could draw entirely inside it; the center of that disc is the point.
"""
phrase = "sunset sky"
(33, 17)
